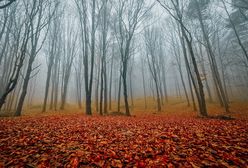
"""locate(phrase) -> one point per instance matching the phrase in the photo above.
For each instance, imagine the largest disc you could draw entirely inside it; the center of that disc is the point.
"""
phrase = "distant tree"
(39, 15)
(69, 53)
(111, 77)
(53, 40)
(144, 80)
(88, 57)
(18, 64)
(175, 9)
(78, 66)
(235, 20)
(152, 46)
(129, 15)
(196, 9)
(178, 63)
(15, 27)
(105, 13)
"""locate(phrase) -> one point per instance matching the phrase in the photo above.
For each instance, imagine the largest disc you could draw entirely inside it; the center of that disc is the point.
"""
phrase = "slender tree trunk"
(236, 32)
(199, 87)
(101, 89)
(189, 74)
(143, 81)
(158, 96)
(184, 86)
(212, 59)
(110, 80)
(47, 86)
(105, 90)
(25, 86)
(119, 94)
(105, 31)
(204, 72)
(164, 82)
(56, 85)
(64, 92)
(97, 87)
(124, 82)
(131, 87)
(93, 32)
(177, 54)
(201, 98)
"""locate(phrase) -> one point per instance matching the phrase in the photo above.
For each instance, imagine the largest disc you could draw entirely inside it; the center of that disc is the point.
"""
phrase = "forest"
(124, 83)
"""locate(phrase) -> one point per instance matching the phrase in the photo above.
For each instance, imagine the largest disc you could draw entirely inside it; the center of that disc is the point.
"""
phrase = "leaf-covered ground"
(151, 141)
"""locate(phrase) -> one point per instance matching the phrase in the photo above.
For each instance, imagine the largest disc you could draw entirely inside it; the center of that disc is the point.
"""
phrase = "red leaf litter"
(149, 141)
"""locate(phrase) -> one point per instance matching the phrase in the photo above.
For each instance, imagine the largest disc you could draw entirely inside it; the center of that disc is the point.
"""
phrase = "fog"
(102, 55)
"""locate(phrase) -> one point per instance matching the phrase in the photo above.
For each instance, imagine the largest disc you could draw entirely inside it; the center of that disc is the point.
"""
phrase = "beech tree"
(129, 15)
(104, 44)
(196, 8)
(152, 45)
(53, 42)
(70, 51)
(88, 57)
(175, 9)
(39, 14)
(19, 55)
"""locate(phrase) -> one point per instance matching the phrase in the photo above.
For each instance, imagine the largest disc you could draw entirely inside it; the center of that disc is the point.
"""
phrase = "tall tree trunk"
(105, 82)
(124, 82)
(49, 72)
(97, 87)
(101, 88)
(212, 59)
(189, 73)
(143, 81)
(119, 94)
(158, 96)
(204, 72)
(25, 85)
(110, 80)
(64, 92)
(131, 87)
(201, 96)
(236, 32)
(184, 86)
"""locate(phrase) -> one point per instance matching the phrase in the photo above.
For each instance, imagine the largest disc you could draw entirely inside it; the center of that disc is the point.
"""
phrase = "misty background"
(100, 55)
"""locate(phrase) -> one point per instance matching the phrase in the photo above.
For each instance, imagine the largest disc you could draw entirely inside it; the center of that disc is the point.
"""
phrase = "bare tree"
(39, 18)
(111, 77)
(175, 10)
(129, 14)
(16, 69)
(177, 53)
(152, 44)
(10, 79)
(214, 67)
(235, 31)
(88, 60)
(104, 41)
(54, 48)
(144, 80)
(78, 65)
(70, 51)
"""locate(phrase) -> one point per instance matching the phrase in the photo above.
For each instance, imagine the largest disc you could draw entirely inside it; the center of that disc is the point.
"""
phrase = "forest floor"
(175, 137)
(119, 141)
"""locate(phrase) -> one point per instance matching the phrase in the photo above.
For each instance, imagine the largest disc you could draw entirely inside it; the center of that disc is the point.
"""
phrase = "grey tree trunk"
(110, 80)
(143, 81)
(216, 74)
